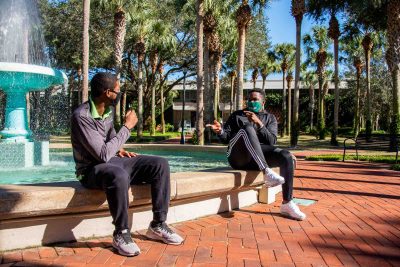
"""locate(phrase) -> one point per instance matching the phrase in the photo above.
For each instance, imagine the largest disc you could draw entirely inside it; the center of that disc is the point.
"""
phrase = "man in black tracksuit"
(252, 134)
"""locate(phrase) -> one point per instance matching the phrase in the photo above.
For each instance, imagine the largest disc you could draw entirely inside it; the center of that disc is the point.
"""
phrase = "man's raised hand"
(216, 127)
(130, 119)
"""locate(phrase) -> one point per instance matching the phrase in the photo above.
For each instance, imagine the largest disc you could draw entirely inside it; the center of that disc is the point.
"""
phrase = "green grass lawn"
(157, 137)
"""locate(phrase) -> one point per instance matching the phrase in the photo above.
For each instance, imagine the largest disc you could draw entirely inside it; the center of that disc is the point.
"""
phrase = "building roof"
(269, 85)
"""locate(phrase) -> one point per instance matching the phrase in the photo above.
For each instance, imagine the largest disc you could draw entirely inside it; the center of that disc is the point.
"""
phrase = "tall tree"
(353, 53)
(243, 19)
(298, 10)
(334, 33)
(289, 80)
(310, 79)
(119, 8)
(200, 73)
(316, 46)
(285, 54)
(85, 50)
(268, 66)
(393, 60)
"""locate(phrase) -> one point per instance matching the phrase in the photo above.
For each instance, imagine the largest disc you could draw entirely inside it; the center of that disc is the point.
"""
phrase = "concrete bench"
(32, 215)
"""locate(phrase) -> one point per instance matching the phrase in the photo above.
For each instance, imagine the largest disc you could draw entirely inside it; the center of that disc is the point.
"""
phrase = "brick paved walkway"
(356, 222)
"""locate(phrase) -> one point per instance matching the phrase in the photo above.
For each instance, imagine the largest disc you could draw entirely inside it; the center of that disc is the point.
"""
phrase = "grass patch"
(147, 138)
(395, 167)
(370, 158)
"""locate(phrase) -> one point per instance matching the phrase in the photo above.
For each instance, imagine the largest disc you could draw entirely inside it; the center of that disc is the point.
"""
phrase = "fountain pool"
(62, 166)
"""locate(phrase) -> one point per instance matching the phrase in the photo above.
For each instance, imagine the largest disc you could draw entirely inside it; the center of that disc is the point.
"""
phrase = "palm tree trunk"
(320, 117)
(85, 50)
(336, 106)
(162, 105)
(283, 132)
(123, 103)
(312, 104)
(140, 100)
(357, 108)
(240, 68)
(263, 83)
(217, 85)
(296, 124)
(368, 129)
(153, 110)
(393, 60)
(200, 88)
(232, 93)
(289, 110)
(208, 105)
(119, 39)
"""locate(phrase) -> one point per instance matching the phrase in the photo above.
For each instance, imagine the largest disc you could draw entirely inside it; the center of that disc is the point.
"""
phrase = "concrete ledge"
(39, 214)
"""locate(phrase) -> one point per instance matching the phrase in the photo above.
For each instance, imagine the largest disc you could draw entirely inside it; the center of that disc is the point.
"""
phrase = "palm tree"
(142, 17)
(318, 39)
(368, 44)
(210, 25)
(285, 53)
(393, 60)
(358, 65)
(243, 18)
(254, 76)
(153, 64)
(161, 73)
(268, 66)
(232, 75)
(298, 10)
(200, 73)
(352, 47)
(310, 79)
(119, 8)
(289, 80)
(161, 41)
(85, 50)
(334, 33)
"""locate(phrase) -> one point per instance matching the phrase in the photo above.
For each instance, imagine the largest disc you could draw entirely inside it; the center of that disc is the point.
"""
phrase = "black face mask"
(115, 101)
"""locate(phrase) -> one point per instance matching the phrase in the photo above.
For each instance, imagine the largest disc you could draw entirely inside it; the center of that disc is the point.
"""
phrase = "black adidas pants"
(246, 153)
(118, 174)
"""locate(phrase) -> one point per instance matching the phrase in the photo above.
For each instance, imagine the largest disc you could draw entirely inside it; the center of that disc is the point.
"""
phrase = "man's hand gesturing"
(130, 119)
(216, 127)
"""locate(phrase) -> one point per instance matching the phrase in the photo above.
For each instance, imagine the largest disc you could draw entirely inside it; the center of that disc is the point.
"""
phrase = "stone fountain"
(22, 42)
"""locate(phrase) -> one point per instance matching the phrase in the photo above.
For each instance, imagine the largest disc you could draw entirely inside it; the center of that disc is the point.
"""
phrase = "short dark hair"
(101, 82)
(261, 92)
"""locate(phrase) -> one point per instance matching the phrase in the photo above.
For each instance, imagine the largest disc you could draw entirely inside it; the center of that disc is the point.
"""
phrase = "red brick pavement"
(356, 222)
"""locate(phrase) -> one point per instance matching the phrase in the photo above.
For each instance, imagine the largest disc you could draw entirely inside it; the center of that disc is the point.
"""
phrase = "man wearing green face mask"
(251, 134)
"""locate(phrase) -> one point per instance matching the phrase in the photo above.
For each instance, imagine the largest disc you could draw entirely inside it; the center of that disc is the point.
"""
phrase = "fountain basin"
(16, 80)
(17, 77)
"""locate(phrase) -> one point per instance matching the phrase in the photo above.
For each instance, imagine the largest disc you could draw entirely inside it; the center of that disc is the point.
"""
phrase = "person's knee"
(120, 178)
(287, 156)
(161, 163)
(248, 127)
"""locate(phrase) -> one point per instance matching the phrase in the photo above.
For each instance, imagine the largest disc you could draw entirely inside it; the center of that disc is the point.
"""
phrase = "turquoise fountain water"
(23, 68)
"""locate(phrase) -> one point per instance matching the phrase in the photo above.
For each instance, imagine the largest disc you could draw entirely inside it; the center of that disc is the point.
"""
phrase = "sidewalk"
(355, 222)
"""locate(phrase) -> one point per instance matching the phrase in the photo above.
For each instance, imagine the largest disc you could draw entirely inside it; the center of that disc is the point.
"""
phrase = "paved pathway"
(356, 222)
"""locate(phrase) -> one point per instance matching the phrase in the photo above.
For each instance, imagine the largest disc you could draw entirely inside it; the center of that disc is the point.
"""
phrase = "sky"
(282, 26)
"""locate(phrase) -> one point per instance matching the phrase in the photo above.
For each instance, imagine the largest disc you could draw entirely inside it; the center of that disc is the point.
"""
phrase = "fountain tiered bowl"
(17, 149)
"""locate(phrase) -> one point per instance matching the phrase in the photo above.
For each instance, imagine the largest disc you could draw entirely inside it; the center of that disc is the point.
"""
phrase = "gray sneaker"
(124, 244)
(272, 179)
(163, 233)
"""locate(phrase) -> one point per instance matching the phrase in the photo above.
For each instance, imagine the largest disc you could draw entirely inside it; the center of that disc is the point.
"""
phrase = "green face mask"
(254, 106)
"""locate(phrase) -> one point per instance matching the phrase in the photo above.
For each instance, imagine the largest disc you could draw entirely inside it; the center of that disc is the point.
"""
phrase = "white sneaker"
(163, 233)
(291, 210)
(124, 244)
(272, 179)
